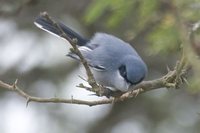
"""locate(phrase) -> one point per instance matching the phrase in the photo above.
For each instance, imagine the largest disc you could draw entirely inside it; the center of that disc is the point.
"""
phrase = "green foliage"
(147, 9)
(190, 9)
(118, 10)
(95, 10)
(165, 37)
(194, 84)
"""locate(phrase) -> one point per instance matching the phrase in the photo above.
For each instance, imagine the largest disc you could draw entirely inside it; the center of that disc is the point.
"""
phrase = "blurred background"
(38, 60)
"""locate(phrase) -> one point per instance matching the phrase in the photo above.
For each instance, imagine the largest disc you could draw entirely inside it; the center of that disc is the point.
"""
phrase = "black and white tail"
(46, 25)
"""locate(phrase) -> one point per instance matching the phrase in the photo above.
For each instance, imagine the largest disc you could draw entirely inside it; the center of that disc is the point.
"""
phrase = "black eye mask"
(123, 73)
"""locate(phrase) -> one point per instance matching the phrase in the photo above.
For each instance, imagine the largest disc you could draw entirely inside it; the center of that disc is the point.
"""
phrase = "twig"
(95, 87)
(143, 87)
(30, 98)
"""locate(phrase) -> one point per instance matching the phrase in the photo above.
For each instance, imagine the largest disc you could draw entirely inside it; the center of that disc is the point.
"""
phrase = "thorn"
(180, 81)
(170, 85)
(186, 81)
(168, 69)
(138, 92)
(28, 101)
(80, 85)
(72, 50)
(15, 84)
(43, 13)
(93, 94)
(114, 99)
(177, 64)
(74, 40)
(183, 71)
(84, 87)
(16, 81)
(82, 78)
(72, 98)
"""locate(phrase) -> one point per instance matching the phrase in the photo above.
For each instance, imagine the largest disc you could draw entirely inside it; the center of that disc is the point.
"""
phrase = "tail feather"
(46, 25)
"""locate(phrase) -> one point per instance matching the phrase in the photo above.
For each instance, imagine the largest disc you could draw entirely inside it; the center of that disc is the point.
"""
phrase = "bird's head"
(133, 69)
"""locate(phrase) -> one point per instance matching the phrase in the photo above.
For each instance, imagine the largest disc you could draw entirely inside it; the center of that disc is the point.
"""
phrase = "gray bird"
(113, 62)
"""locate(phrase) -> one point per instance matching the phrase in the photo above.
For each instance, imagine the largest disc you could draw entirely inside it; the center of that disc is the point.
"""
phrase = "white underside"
(115, 82)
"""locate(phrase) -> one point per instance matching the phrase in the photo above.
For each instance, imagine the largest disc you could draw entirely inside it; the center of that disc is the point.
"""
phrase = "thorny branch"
(73, 42)
(173, 79)
(165, 81)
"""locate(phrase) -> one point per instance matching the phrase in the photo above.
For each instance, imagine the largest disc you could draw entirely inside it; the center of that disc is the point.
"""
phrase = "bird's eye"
(122, 71)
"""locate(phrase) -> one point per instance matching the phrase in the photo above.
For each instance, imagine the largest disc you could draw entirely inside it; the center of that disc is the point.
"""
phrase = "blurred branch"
(173, 79)
(17, 10)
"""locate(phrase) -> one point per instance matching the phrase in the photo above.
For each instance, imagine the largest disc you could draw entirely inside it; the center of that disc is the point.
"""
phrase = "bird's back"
(114, 48)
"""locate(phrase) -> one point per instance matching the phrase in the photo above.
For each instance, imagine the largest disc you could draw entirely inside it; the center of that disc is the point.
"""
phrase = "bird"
(115, 64)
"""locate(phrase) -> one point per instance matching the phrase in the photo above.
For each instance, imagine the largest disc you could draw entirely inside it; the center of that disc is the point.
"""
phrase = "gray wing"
(103, 51)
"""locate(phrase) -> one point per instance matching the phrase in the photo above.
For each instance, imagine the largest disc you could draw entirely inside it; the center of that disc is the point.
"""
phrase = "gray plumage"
(114, 63)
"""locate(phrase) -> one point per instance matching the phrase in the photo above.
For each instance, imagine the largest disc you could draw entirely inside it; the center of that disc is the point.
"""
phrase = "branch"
(165, 81)
(173, 79)
(146, 86)
(29, 98)
(95, 87)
